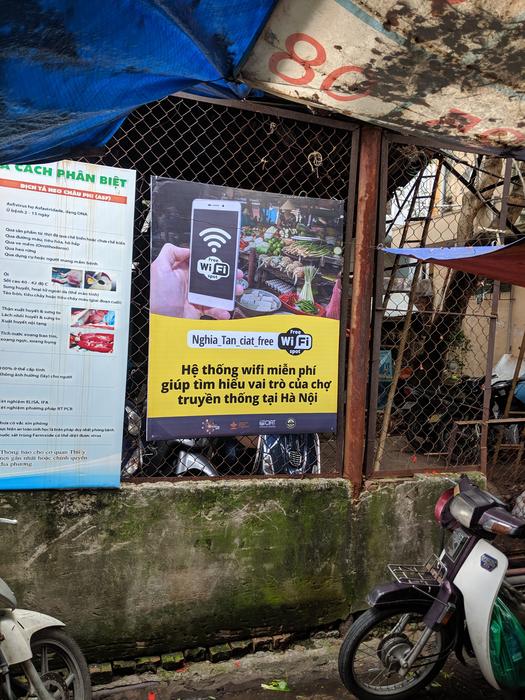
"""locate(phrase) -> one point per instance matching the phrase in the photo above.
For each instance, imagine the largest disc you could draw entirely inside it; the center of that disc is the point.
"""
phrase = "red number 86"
(309, 73)
(307, 63)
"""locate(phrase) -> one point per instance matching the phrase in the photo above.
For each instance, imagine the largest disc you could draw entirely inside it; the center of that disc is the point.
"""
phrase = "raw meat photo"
(91, 342)
(93, 318)
(66, 277)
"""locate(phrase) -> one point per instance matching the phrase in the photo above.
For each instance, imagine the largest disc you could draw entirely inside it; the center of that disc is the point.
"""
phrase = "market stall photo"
(291, 257)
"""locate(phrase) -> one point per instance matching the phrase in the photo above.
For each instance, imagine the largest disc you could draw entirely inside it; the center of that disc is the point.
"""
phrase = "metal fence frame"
(390, 139)
(366, 200)
(299, 116)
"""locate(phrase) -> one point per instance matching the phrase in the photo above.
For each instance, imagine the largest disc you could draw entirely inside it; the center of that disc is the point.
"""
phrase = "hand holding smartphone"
(214, 252)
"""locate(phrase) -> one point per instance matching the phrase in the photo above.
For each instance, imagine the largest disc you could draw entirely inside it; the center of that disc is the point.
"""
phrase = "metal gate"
(248, 146)
(431, 404)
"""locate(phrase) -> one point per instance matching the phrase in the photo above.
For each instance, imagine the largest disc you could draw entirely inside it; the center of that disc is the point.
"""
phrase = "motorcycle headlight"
(462, 511)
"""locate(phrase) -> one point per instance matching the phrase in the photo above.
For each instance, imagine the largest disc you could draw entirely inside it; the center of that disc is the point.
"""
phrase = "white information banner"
(65, 276)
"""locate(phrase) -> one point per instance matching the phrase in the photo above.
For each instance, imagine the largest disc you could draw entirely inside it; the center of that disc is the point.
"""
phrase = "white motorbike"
(37, 658)
(401, 643)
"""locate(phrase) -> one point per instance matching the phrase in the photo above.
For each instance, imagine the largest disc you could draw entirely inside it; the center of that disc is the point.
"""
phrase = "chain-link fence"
(436, 333)
(261, 149)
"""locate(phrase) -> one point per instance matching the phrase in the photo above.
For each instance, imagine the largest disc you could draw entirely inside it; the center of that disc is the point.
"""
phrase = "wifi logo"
(215, 238)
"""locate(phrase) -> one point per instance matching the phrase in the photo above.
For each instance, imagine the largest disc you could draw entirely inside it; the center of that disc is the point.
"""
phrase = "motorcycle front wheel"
(369, 656)
(59, 662)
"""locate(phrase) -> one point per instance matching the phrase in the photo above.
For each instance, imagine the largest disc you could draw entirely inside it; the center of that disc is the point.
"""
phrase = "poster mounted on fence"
(66, 247)
(245, 301)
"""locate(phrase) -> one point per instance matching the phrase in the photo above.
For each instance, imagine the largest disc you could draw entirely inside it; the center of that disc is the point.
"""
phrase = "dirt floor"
(310, 669)
(398, 455)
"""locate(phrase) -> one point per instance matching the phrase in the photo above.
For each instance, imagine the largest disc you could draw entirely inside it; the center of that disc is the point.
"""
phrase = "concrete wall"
(162, 567)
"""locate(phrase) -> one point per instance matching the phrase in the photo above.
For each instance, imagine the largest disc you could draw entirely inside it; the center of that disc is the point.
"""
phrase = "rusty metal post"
(362, 289)
(502, 225)
(379, 283)
(345, 294)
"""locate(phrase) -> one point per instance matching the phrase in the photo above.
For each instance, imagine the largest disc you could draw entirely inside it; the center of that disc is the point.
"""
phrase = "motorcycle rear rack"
(420, 576)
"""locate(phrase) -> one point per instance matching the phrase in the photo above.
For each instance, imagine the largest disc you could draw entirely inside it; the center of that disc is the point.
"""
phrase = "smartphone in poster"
(245, 300)
(66, 247)
(214, 249)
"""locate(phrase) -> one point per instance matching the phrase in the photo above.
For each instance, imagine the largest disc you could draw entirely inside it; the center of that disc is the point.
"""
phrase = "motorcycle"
(271, 455)
(511, 433)
(132, 444)
(214, 457)
(293, 455)
(36, 656)
(428, 612)
(432, 414)
(141, 458)
(179, 457)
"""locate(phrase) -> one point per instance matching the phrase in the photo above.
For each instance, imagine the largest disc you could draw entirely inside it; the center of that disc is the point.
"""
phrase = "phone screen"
(213, 268)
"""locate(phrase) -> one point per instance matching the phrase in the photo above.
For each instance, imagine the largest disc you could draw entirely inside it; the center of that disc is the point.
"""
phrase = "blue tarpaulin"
(505, 263)
(71, 70)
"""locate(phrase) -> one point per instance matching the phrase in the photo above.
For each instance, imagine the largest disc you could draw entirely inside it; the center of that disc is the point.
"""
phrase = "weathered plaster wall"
(160, 567)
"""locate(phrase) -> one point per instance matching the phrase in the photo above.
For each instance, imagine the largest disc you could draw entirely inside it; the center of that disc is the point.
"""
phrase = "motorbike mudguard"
(479, 580)
(194, 463)
(392, 593)
(16, 630)
(294, 454)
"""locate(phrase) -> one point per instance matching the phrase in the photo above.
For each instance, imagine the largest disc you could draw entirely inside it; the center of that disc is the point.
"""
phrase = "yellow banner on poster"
(213, 368)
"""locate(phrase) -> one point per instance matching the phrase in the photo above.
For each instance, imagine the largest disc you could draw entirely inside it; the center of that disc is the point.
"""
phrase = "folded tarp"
(71, 70)
(505, 263)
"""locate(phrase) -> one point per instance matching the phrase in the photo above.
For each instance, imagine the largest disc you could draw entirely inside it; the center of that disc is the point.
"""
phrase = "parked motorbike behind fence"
(291, 454)
(430, 413)
(401, 643)
(37, 658)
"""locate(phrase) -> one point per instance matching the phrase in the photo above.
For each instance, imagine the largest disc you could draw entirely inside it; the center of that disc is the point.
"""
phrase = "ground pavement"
(309, 667)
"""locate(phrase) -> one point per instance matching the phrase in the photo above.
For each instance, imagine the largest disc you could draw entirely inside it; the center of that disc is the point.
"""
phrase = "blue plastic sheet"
(444, 254)
(71, 70)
